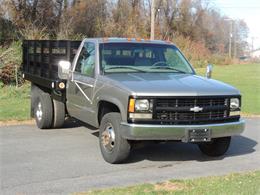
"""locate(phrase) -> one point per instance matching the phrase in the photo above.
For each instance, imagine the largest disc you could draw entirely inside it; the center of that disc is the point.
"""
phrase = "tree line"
(196, 26)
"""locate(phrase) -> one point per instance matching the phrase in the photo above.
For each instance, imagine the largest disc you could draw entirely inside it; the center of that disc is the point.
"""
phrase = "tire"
(217, 147)
(114, 148)
(43, 110)
(58, 114)
(35, 91)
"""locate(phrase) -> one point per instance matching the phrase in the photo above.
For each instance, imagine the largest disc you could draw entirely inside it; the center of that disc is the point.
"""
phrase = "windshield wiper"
(124, 67)
(168, 68)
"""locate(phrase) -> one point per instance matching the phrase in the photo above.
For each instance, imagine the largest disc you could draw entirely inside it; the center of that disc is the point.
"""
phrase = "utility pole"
(230, 40)
(253, 39)
(152, 20)
(252, 48)
(230, 37)
(159, 22)
(235, 40)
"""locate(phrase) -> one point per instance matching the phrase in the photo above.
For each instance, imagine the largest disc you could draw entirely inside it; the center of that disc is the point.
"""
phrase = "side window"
(86, 61)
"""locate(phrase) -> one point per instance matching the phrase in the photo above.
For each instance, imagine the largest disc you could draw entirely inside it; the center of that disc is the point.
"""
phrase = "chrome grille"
(179, 110)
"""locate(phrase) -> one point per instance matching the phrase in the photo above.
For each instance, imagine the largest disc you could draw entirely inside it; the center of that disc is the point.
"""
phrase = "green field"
(14, 103)
(233, 184)
(245, 77)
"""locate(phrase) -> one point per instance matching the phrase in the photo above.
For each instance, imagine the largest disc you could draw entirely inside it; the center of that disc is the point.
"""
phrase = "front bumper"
(178, 132)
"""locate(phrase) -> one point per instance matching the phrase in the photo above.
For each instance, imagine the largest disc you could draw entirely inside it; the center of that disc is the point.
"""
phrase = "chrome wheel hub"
(39, 111)
(108, 137)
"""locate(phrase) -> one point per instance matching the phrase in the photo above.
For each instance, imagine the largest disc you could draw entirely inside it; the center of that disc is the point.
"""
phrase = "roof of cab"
(128, 40)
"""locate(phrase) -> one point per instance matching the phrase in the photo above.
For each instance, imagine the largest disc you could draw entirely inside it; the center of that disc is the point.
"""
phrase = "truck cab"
(132, 90)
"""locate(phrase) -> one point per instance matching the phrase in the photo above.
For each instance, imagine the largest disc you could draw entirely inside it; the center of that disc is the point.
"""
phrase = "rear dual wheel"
(48, 113)
(217, 147)
(43, 111)
(58, 114)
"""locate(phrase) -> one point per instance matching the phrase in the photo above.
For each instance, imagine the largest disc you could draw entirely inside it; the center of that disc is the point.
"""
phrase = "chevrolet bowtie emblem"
(196, 109)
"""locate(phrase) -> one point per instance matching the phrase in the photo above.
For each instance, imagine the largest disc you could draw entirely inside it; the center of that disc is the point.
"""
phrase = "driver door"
(81, 84)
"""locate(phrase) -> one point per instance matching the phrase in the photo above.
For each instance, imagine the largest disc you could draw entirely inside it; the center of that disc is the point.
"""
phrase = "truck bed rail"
(41, 58)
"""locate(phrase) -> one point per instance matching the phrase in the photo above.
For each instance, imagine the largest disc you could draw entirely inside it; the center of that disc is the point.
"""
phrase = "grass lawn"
(245, 77)
(233, 184)
(14, 103)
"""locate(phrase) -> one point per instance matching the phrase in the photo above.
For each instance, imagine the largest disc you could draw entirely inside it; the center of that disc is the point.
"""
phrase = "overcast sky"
(249, 10)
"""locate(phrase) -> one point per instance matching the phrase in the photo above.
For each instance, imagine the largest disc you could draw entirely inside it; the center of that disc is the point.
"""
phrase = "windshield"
(142, 57)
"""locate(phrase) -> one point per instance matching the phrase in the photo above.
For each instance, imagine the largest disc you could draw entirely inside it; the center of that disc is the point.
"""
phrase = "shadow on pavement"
(177, 151)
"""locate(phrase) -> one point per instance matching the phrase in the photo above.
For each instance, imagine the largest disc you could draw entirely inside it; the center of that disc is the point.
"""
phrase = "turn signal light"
(131, 107)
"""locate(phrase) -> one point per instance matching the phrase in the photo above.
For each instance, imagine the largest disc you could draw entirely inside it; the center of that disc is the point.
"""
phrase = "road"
(67, 160)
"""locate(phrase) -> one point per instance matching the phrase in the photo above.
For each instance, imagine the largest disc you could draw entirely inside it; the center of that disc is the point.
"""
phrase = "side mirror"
(63, 69)
(209, 71)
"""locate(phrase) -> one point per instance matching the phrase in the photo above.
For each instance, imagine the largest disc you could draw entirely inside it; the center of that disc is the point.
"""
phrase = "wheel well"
(106, 107)
(40, 88)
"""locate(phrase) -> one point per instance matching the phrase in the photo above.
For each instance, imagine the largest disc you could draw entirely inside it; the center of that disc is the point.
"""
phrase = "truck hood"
(169, 84)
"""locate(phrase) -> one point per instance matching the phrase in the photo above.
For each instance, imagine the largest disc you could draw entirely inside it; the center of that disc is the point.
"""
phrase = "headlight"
(234, 107)
(234, 103)
(142, 105)
(140, 108)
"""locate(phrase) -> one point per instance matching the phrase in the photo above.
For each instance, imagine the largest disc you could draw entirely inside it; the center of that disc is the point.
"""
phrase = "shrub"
(10, 61)
(195, 52)
(199, 55)
(220, 59)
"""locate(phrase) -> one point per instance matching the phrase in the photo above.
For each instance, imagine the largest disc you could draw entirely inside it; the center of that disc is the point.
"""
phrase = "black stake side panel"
(41, 58)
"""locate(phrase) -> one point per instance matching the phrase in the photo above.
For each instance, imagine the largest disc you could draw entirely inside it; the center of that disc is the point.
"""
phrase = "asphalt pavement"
(63, 161)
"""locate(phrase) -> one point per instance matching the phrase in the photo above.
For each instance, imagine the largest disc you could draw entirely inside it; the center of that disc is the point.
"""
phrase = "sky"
(248, 10)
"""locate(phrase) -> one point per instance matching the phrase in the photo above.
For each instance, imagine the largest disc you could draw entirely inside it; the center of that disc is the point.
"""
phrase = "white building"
(255, 54)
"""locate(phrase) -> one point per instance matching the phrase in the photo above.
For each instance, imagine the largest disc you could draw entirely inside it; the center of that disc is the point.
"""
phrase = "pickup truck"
(132, 90)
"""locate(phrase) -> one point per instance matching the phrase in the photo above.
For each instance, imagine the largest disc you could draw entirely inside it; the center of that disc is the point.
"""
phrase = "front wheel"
(217, 147)
(114, 148)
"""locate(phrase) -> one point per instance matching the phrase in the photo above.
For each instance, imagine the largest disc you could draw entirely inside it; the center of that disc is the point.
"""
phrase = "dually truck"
(132, 90)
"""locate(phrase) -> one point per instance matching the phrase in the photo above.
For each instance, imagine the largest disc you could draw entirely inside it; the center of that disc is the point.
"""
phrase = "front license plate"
(199, 135)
